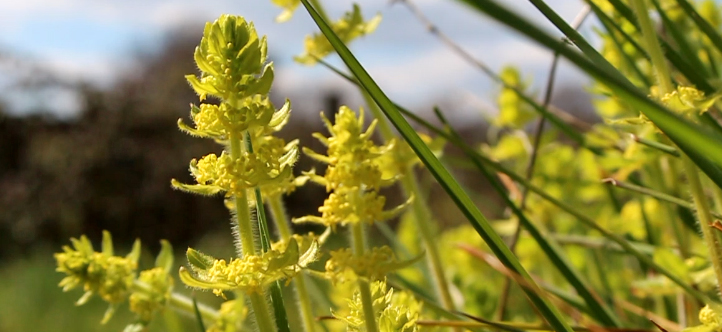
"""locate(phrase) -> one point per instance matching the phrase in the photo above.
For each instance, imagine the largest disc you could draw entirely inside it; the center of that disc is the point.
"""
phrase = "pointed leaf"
(107, 243)
(199, 260)
(134, 253)
(165, 256)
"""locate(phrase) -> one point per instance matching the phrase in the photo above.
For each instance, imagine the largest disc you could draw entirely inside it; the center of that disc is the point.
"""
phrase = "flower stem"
(705, 218)
(304, 299)
(359, 247)
(180, 302)
(261, 312)
(243, 215)
(299, 283)
(651, 44)
(422, 215)
(278, 212)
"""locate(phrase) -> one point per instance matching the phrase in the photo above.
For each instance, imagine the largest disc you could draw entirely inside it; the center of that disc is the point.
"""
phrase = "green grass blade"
(575, 37)
(685, 48)
(613, 28)
(703, 25)
(199, 319)
(677, 60)
(599, 311)
(693, 139)
(550, 313)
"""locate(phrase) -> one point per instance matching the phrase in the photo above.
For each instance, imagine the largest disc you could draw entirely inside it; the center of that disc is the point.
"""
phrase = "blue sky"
(95, 40)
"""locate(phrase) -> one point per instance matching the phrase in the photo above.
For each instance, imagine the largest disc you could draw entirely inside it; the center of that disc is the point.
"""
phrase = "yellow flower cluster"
(688, 100)
(707, 316)
(348, 28)
(113, 278)
(373, 265)
(251, 273)
(230, 317)
(232, 60)
(289, 6)
(395, 312)
(147, 304)
(354, 173)
(101, 273)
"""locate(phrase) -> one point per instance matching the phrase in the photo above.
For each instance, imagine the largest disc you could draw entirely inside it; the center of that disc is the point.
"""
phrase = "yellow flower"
(99, 273)
(355, 173)
(249, 274)
(394, 312)
(373, 265)
(231, 58)
(145, 304)
(289, 7)
(348, 28)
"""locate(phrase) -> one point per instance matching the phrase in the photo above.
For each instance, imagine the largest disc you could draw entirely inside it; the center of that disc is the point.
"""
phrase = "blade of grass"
(477, 159)
(611, 26)
(685, 48)
(442, 175)
(702, 24)
(693, 139)
(653, 193)
(599, 311)
(199, 319)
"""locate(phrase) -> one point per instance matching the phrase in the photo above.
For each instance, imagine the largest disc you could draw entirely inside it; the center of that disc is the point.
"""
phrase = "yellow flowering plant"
(598, 212)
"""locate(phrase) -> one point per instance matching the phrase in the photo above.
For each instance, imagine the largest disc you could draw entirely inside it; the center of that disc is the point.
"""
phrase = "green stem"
(180, 302)
(359, 247)
(705, 218)
(261, 312)
(319, 8)
(304, 299)
(422, 215)
(243, 215)
(299, 283)
(650, 42)
(278, 212)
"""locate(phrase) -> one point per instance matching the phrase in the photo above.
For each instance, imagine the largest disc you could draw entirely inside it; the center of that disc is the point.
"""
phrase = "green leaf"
(199, 260)
(193, 281)
(201, 189)
(107, 243)
(134, 253)
(288, 258)
(550, 313)
(165, 256)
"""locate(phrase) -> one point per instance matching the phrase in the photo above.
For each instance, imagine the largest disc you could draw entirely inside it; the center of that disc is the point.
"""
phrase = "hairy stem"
(651, 44)
(243, 215)
(359, 247)
(705, 218)
(298, 284)
(278, 212)
(262, 312)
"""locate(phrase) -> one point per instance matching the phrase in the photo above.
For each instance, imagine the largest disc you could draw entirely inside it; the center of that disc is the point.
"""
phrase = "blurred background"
(91, 92)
